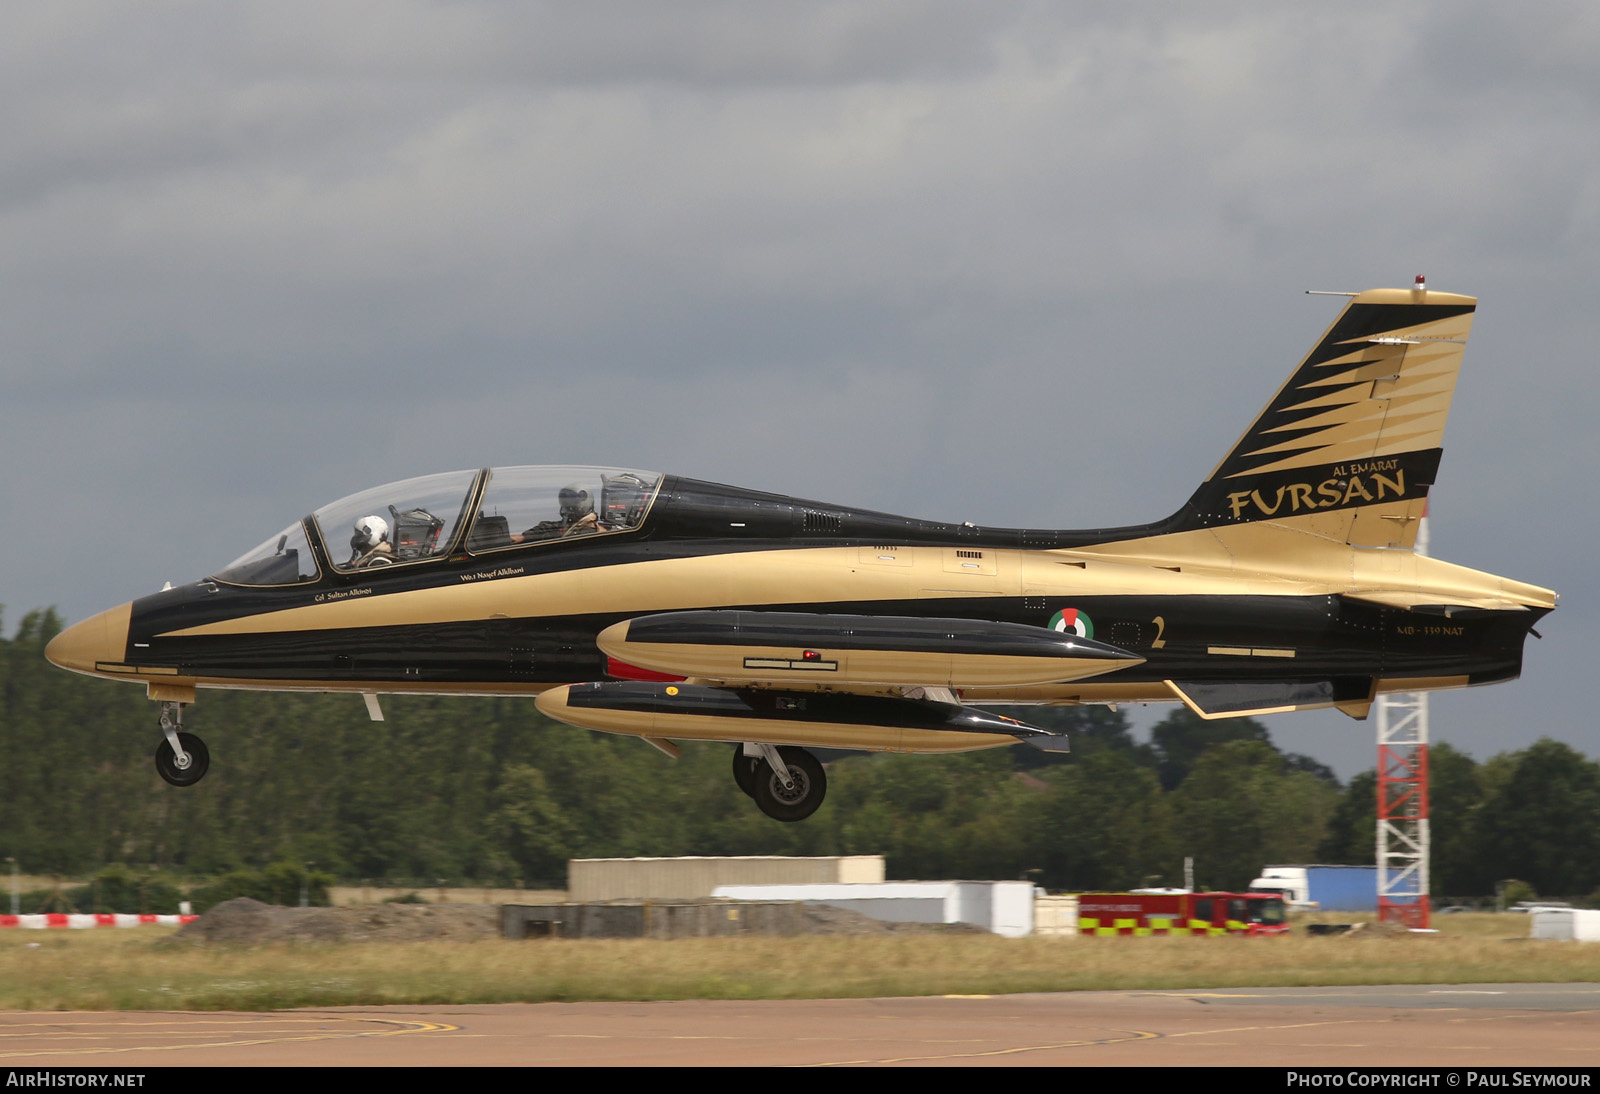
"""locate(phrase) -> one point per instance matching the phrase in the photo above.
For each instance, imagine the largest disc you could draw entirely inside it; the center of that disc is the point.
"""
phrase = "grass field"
(129, 969)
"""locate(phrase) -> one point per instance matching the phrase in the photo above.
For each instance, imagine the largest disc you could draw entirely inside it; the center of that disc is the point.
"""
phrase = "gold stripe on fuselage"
(825, 575)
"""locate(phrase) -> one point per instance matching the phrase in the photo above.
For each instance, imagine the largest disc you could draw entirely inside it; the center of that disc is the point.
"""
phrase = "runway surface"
(1530, 1025)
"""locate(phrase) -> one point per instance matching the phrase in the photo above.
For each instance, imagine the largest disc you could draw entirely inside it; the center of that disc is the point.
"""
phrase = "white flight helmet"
(370, 531)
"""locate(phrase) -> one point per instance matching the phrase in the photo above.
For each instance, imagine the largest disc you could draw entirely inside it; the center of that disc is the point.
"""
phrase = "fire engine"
(1181, 913)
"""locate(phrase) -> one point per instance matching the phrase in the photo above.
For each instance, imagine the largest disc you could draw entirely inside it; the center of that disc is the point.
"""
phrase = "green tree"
(1455, 797)
(1351, 834)
(116, 888)
(1239, 809)
(1103, 824)
(1540, 820)
(933, 816)
(529, 827)
(1182, 737)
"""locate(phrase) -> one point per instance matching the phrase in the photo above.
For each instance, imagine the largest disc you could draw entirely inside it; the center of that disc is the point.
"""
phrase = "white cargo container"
(694, 877)
(1004, 907)
(1566, 924)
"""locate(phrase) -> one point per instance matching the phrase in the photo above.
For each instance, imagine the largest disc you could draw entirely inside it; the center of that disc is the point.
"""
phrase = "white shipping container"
(1566, 924)
(1055, 916)
(1004, 907)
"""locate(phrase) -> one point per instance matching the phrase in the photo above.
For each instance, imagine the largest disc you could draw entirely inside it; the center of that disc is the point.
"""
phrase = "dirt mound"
(247, 922)
(825, 919)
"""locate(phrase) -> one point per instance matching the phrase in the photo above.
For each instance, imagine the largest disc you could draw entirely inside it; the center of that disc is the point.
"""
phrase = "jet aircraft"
(674, 609)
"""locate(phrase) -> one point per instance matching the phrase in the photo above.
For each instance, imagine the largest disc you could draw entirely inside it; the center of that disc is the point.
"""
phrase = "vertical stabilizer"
(1347, 449)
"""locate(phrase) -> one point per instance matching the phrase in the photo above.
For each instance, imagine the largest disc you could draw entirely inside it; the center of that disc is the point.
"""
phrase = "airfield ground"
(1452, 1028)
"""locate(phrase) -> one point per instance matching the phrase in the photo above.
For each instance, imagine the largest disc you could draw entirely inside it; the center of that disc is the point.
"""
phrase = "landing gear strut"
(182, 758)
(744, 770)
(788, 784)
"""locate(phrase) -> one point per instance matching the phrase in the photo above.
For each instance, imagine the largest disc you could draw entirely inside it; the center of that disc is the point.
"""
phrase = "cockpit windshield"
(420, 519)
(285, 559)
(401, 522)
(523, 505)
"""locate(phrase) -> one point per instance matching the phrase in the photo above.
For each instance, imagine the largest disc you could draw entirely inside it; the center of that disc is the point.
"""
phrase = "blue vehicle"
(1322, 888)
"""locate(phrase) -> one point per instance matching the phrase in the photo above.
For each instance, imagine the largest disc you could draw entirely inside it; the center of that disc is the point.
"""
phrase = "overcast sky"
(1025, 264)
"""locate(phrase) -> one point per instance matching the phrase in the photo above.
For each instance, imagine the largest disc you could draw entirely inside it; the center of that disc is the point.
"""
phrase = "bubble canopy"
(423, 519)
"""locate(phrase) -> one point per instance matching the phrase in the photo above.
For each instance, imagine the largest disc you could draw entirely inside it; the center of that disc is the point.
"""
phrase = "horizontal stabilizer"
(1234, 699)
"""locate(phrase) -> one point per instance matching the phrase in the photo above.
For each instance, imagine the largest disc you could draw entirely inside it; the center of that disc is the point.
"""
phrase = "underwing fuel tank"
(820, 719)
(791, 647)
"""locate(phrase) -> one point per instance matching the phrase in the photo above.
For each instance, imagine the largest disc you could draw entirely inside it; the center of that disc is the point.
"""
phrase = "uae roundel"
(1071, 619)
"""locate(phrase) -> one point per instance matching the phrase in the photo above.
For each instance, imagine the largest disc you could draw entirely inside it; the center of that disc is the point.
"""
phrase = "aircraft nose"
(102, 637)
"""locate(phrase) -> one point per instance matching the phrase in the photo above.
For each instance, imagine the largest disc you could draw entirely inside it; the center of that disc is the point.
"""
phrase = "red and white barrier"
(78, 922)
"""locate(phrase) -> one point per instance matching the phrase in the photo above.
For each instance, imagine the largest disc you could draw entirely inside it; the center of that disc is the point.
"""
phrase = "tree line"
(487, 790)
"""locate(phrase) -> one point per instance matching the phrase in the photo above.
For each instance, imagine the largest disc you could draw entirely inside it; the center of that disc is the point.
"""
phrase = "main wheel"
(167, 760)
(744, 770)
(793, 803)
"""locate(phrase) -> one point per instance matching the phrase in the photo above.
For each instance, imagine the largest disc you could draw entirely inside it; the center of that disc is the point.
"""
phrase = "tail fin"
(1347, 449)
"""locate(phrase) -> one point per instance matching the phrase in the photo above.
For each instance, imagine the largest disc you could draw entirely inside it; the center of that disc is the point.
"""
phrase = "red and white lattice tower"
(1403, 799)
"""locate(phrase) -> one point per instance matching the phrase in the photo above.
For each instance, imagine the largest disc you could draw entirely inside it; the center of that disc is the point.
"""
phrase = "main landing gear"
(182, 758)
(792, 795)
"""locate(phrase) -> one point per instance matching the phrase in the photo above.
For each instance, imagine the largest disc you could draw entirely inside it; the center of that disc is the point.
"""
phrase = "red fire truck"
(1181, 913)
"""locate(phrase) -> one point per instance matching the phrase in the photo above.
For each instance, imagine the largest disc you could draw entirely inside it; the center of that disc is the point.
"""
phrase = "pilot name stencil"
(341, 594)
(485, 575)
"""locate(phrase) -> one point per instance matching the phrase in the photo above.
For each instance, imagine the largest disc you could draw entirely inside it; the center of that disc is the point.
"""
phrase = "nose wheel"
(182, 758)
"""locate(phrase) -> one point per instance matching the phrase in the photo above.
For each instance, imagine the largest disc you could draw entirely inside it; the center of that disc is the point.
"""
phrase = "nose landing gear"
(181, 759)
